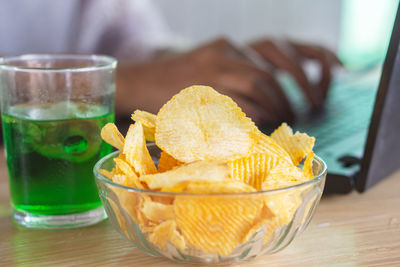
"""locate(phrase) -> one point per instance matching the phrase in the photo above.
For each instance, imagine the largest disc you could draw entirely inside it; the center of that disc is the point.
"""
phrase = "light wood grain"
(350, 230)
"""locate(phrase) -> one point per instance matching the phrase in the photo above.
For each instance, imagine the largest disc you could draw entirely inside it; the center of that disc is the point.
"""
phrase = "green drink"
(51, 150)
(53, 108)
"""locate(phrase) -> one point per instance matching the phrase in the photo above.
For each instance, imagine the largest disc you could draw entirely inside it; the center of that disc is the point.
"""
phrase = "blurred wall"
(196, 21)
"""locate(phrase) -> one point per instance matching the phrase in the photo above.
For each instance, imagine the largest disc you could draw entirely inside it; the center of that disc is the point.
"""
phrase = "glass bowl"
(209, 228)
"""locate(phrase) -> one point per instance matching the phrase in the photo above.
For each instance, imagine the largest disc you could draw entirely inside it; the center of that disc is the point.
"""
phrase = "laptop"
(357, 133)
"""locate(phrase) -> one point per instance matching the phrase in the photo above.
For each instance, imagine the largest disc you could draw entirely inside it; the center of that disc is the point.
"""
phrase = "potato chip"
(157, 212)
(111, 135)
(272, 226)
(130, 202)
(167, 232)
(136, 152)
(215, 224)
(298, 145)
(260, 221)
(308, 166)
(266, 145)
(254, 169)
(195, 171)
(177, 188)
(146, 118)
(106, 173)
(120, 218)
(124, 167)
(210, 187)
(200, 124)
(148, 121)
(283, 204)
(122, 179)
(283, 175)
(167, 162)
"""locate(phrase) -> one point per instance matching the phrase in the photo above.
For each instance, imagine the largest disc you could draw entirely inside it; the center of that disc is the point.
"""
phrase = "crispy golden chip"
(298, 145)
(127, 170)
(195, 171)
(167, 162)
(123, 179)
(111, 135)
(157, 212)
(178, 188)
(260, 221)
(120, 219)
(271, 226)
(266, 145)
(148, 121)
(106, 173)
(210, 187)
(283, 205)
(124, 167)
(308, 166)
(136, 152)
(201, 124)
(129, 201)
(215, 224)
(283, 175)
(254, 169)
(167, 232)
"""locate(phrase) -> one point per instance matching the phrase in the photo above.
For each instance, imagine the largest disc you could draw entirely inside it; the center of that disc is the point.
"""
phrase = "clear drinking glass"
(53, 107)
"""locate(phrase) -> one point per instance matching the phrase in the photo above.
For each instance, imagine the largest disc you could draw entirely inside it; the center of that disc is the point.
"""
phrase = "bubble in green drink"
(51, 151)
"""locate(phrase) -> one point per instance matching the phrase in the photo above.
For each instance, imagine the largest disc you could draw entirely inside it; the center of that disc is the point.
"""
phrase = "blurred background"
(134, 31)
(358, 30)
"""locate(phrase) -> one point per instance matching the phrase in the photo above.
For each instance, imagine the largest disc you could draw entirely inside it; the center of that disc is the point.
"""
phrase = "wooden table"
(355, 229)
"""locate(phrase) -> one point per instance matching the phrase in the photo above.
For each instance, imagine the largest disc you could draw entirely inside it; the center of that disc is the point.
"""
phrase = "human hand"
(218, 64)
(289, 55)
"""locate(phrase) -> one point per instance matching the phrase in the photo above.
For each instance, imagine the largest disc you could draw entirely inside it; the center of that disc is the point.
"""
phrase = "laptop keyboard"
(348, 111)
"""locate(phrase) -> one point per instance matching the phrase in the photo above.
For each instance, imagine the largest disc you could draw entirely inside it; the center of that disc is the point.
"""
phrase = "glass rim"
(103, 62)
(103, 179)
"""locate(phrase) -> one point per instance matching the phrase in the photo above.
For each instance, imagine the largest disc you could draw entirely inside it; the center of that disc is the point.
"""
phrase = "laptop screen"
(382, 150)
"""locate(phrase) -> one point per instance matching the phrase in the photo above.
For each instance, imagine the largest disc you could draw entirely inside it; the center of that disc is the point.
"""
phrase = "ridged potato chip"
(130, 202)
(127, 170)
(254, 169)
(283, 205)
(214, 223)
(111, 135)
(195, 171)
(167, 232)
(271, 226)
(135, 151)
(201, 124)
(120, 219)
(262, 220)
(210, 187)
(266, 145)
(105, 173)
(167, 162)
(283, 175)
(298, 145)
(148, 121)
(157, 212)
(308, 166)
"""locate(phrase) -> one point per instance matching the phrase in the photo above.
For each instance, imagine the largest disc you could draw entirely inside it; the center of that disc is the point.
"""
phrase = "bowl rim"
(102, 62)
(101, 178)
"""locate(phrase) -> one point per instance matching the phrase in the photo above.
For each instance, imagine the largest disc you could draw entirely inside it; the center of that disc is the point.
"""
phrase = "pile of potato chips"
(210, 149)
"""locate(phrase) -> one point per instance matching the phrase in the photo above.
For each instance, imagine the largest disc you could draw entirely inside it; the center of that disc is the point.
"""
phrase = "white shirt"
(127, 29)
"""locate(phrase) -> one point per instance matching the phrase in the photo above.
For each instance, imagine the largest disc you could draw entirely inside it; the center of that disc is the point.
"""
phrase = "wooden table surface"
(350, 230)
